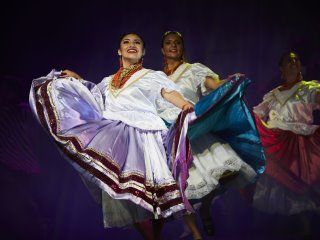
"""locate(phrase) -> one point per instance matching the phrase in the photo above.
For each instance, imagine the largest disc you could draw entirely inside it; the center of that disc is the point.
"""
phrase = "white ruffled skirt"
(212, 159)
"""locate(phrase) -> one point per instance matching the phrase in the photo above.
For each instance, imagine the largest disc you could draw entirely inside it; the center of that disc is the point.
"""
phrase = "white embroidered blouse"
(137, 102)
(291, 109)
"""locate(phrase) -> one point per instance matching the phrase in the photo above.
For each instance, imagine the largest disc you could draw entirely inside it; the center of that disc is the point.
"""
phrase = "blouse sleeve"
(200, 72)
(262, 110)
(165, 109)
(161, 81)
(314, 91)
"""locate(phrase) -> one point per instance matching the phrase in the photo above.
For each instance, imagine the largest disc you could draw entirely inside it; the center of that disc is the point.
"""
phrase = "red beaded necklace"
(123, 75)
(171, 71)
(286, 85)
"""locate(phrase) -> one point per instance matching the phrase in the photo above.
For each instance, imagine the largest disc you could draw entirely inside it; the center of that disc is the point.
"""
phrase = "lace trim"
(215, 173)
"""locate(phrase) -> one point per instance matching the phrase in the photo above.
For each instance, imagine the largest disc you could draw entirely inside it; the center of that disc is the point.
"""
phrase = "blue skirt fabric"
(225, 114)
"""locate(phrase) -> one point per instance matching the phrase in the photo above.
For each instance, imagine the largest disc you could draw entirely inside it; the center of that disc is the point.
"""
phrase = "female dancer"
(290, 184)
(215, 161)
(112, 135)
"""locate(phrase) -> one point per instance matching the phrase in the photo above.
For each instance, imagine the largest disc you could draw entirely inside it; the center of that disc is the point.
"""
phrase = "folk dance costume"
(222, 131)
(290, 184)
(112, 135)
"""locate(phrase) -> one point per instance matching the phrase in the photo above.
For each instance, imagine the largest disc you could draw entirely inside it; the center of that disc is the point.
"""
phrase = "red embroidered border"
(104, 178)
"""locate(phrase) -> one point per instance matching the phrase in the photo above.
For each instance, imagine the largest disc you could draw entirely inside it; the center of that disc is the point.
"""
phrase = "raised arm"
(176, 99)
(213, 83)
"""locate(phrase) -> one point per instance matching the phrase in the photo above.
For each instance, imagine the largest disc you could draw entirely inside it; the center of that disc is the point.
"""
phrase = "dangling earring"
(141, 61)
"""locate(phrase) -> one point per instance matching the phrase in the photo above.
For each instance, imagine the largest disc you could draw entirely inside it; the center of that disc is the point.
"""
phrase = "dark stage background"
(42, 197)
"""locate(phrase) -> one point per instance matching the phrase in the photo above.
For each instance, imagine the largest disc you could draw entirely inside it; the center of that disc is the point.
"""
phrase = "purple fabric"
(110, 153)
(113, 138)
(181, 156)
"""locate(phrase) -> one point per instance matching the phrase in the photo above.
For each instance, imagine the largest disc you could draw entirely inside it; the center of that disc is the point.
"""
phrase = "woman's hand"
(238, 75)
(68, 73)
(187, 106)
(176, 99)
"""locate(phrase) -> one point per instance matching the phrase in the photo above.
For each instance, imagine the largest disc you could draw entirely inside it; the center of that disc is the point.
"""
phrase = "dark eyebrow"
(173, 40)
(137, 39)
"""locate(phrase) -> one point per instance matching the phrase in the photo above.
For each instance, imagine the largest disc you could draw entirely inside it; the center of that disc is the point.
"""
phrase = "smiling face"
(131, 49)
(172, 46)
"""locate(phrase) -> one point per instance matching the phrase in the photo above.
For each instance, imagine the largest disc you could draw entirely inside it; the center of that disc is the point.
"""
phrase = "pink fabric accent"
(182, 155)
(293, 160)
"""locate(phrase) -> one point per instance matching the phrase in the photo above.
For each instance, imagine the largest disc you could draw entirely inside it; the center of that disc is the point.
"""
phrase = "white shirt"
(291, 109)
(190, 80)
(137, 102)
